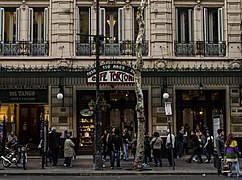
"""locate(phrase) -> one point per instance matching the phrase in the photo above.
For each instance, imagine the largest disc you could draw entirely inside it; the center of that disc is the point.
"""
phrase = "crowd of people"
(118, 146)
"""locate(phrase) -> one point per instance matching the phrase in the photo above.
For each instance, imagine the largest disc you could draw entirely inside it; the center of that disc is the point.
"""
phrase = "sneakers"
(207, 161)
(195, 160)
(146, 165)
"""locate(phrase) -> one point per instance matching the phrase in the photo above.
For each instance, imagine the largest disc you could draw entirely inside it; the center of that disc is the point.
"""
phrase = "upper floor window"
(119, 29)
(184, 32)
(9, 25)
(213, 25)
(38, 25)
(184, 25)
(83, 25)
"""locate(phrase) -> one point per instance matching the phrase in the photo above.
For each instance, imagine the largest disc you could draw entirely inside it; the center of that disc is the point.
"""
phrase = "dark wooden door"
(29, 123)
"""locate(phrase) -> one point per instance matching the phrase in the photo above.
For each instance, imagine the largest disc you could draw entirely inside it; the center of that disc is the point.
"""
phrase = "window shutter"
(177, 24)
(205, 24)
(220, 25)
(102, 22)
(121, 24)
(30, 24)
(190, 28)
(1, 25)
(18, 24)
(133, 25)
(78, 31)
(46, 24)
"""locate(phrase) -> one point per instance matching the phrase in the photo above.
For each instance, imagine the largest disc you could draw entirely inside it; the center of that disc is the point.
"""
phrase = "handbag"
(152, 144)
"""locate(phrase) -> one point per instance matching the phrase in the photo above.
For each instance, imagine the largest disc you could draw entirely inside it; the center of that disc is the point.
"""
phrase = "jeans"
(115, 155)
(126, 151)
(157, 157)
(236, 164)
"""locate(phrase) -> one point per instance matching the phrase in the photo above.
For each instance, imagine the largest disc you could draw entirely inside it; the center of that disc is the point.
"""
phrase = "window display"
(86, 128)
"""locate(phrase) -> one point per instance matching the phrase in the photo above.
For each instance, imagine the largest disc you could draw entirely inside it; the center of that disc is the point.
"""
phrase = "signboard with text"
(24, 96)
(112, 73)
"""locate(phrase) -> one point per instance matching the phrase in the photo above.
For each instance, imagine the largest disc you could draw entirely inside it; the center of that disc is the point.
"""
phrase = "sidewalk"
(83, 166)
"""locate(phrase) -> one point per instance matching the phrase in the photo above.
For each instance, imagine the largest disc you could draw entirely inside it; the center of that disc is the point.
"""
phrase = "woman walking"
(68, 150)
(231, 153)
(209, 147)
(156, 144)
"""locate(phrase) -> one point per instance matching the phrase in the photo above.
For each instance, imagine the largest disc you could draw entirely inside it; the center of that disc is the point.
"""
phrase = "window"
(184, 32)
(213, 25)
(213, 32)
(112, 24)
(83, 25)
(184, 25)
(9, 25)
(38, 25)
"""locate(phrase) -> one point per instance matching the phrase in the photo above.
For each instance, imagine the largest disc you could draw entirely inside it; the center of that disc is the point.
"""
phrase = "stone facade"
(161, 35)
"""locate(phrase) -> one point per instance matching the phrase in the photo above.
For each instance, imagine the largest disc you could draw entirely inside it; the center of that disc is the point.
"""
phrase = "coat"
(232, 152)
(68, 148)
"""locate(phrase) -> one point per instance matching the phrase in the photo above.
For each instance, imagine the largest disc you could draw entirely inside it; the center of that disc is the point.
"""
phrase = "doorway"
(29, 123)
(197, 108)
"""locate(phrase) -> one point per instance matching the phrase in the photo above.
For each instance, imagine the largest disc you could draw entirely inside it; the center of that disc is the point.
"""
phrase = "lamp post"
(168, 111)
(98, 163)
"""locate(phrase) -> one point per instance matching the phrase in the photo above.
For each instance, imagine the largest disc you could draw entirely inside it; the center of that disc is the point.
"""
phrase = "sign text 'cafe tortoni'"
(112, 73)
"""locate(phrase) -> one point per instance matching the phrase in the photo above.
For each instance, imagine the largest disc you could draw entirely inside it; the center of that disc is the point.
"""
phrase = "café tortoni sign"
(112, 73)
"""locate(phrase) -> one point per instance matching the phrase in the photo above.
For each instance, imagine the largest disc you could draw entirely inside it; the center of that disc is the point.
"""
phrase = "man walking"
(220, 149)
(54, 143)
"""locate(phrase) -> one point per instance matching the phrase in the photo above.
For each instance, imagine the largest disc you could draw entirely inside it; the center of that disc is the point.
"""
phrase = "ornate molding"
(199, 5)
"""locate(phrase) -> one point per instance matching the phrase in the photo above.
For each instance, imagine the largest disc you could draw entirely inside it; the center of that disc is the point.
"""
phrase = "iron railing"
(207, 49)
(111, 49)
(24, 48)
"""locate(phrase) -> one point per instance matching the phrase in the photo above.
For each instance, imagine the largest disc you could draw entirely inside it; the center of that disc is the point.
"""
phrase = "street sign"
(168, 108)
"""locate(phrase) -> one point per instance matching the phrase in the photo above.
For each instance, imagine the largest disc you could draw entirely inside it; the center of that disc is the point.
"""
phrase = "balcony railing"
(24, 48)
(207, 49)
(110, 49)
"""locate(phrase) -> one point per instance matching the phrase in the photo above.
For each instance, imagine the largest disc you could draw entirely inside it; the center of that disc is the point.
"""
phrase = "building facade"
(191, 49)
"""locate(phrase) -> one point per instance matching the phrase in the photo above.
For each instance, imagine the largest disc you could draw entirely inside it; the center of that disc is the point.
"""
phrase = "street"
(155, 177)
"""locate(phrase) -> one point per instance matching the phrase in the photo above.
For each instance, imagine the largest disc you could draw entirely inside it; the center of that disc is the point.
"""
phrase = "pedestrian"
(116, 147)
(186, 137)
(232, 153)
(180, 142)
(54, 143)
(170, 144)
(104, 143)
(156, 144)
(12, 139)
(196, 146)
(220, 150)
(147, 149)
(208, 147)
(126, 142)
(68, 150)
(134, 145)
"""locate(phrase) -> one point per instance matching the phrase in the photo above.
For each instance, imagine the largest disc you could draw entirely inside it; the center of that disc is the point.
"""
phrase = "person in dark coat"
(220, 149)
(116, 147)
(196, 147)
(54, 143)
(209, 147)
(180, 142)
(147, 152)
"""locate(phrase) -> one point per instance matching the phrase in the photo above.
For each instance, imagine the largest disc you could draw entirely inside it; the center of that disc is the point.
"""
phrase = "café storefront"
(199, 97)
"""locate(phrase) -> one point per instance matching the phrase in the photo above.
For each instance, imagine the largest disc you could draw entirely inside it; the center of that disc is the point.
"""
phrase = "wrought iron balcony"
(207, 49)
(110, 49)
(24, 48)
